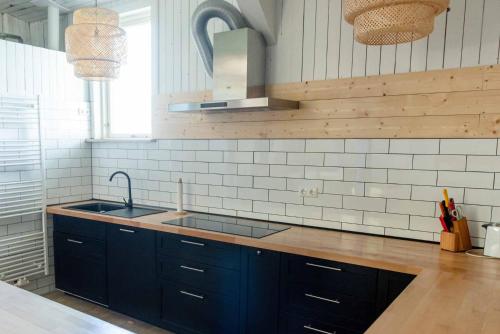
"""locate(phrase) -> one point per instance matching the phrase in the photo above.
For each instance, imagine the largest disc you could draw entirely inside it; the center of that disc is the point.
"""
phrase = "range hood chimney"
(239, 62)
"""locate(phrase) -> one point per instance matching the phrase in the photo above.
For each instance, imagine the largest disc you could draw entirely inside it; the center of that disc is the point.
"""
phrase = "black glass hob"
(229, 225)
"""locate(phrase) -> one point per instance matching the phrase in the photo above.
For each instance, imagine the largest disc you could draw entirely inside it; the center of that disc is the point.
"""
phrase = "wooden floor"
(105, 314)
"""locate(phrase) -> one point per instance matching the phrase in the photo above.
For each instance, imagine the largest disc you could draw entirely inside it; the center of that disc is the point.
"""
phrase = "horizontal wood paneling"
(436, 104)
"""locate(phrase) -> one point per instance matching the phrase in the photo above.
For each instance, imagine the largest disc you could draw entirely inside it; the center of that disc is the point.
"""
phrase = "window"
(125, 103)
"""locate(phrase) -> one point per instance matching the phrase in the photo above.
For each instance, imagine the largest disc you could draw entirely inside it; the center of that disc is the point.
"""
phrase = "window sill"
(121, 140)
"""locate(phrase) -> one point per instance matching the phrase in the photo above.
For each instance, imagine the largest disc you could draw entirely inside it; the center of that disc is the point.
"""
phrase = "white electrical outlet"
(311, 192)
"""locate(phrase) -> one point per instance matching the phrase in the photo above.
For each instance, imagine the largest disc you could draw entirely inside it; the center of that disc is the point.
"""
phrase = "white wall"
(33, 71)
(315, 43)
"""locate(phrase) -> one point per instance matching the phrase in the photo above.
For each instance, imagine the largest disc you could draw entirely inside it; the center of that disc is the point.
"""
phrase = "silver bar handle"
(321, 266)
(74, 241)
(192, 269)
(335, 301)
(191, 294)
(127, 231)
(318, 330)
(193, 243)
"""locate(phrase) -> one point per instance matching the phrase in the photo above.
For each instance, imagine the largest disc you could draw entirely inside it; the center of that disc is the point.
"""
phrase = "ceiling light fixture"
(95, 44)
(384, 22)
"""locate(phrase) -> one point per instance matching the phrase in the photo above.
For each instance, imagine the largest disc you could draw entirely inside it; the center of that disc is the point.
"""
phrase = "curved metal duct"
(206, 11)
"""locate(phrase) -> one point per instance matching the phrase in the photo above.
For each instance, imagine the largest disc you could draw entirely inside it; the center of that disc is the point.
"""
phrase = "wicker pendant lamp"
(95, 44)
(383, 22)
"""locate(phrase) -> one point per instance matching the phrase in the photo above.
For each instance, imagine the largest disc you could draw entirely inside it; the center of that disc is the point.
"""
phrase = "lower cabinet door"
(133, 288)
(297, 324)
(80, 267)
(189, 310)
(261, 286)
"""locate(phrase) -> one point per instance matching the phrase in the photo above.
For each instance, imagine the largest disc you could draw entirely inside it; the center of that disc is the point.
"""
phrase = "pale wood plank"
(358, 60)
(346, 42)
(419, 55)
(185, 44)
(373, 60)
(387, 59)
(193, 52)
(403, 54)
(177, 46)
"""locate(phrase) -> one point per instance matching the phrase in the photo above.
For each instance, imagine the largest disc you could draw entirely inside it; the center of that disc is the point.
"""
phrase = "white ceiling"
(25, 10)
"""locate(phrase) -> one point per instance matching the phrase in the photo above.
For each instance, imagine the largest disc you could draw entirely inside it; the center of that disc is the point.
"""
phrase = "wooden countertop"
(452, 293)
(22, 312)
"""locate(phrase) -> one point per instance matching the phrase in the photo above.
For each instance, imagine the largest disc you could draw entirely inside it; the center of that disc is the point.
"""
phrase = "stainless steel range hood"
(239, 76)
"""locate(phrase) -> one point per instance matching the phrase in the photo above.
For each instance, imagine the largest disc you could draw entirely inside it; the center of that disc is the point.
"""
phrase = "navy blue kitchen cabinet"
(133, 287)
(260, 286)
(80, 258)
(190, 285)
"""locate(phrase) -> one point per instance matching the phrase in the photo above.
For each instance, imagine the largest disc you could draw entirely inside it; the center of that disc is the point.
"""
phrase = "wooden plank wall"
(315, 43)
(457, 103)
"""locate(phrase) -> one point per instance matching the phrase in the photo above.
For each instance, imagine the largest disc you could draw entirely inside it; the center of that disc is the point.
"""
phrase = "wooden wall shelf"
(457, 103)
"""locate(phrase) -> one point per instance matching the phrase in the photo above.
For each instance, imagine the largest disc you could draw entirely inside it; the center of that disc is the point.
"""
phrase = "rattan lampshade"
(95, 45)
(382, 22)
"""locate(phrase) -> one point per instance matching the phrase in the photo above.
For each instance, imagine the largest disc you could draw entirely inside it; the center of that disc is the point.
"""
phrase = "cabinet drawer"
(80, 247)
(326, 304)
(188, 310)
(80, 227)
(298, 324)
(201, 250)
(333, 276)
(199, 275)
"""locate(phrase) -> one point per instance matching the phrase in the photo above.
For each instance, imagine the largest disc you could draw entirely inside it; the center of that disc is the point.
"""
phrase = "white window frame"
(100, 90)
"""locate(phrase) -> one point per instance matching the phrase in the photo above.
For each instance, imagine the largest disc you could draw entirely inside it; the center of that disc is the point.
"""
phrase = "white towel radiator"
(22, 191)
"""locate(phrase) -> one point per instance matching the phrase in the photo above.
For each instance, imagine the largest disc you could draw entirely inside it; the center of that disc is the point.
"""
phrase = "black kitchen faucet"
(129, 203)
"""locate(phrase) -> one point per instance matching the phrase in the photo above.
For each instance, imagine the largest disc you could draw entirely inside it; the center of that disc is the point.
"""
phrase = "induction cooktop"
(229, 225)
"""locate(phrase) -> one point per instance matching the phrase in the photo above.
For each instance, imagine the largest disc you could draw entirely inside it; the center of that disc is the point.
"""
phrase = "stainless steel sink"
(117, 210)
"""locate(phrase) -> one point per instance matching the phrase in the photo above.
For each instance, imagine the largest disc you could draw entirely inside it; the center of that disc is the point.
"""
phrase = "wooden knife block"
(459, 239)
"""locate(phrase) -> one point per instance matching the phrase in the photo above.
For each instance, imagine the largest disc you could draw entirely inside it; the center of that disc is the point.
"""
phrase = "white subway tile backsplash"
(285, 196)
(271, 158)
(287, 171)
(431, 193)
(387, 190)
(269, 183)
(483, 163)
(238, 181)
(252, 193)
(367, 145)
(238, 157)
(365, 175)
(482, 197)
(414, 146)
(223, 145)
(377, 186)
(269, 207)
(469, 146)
(344, 188)
(417, 177)
(412, 207)
(396, 161)
(305, 159)
(465, 179)
(440, 162)
(345, 160)
(237, 204)
(364, 203)
(324, 173)
(324, 145)
(252, 169)
(304, 211)
(386, 220)
(209, 156)
(253, 145)
(324, 200)
(288, 145)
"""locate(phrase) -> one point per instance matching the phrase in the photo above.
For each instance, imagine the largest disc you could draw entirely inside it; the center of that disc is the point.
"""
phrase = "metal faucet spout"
(129, 203)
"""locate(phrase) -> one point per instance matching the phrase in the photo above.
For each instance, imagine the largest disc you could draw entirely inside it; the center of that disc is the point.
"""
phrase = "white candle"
(179, 195)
